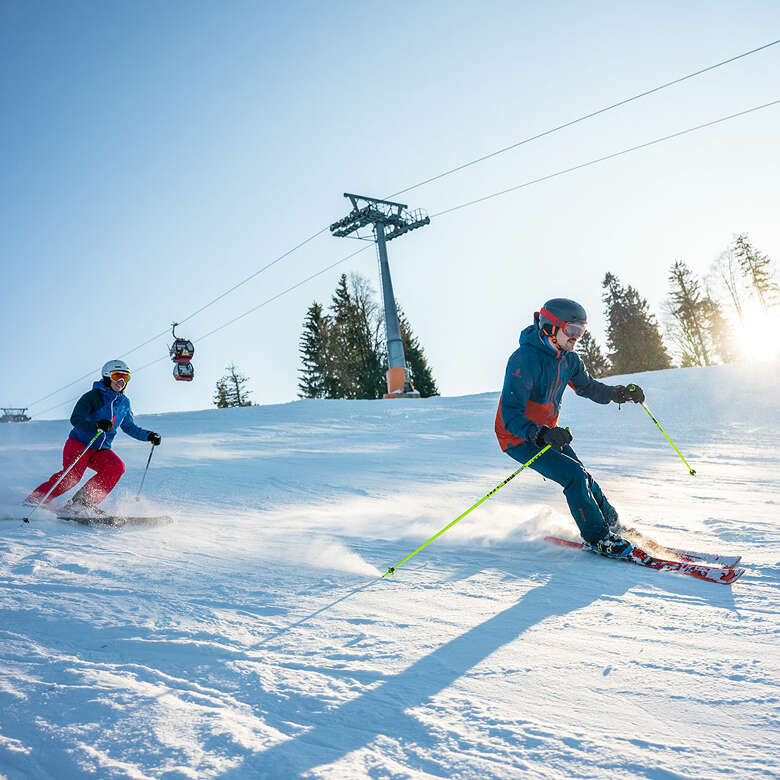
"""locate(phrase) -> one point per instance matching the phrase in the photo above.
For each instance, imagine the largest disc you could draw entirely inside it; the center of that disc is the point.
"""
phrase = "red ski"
(663, 551)
(724, 575)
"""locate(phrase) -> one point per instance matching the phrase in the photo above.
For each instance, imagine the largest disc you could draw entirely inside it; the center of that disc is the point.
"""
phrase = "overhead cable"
(449, 172)
(188, 317)
(230, 322)
(463, 206)
(602, 159)
(581, 119)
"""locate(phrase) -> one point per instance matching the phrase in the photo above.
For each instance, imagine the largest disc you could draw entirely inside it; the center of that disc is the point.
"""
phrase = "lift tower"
(389, 220)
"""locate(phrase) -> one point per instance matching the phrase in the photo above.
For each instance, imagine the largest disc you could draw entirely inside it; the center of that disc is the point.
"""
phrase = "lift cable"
(428, 181)
(602, 159)
(581, 119)
(678, 134)
(188, 317)
(225, 324)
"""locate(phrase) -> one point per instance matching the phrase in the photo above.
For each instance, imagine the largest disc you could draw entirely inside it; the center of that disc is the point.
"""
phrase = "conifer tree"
(316, 379)
(633, 337)
(231, 388)
(356, 340)
(592, 357)
(220, 395)
(420, 372)
(758, 271)
(343, 353)
(688, 311)
(342, 342)
(368, 342)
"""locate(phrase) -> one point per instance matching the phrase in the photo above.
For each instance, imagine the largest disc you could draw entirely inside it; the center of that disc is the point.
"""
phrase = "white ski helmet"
(115, 365)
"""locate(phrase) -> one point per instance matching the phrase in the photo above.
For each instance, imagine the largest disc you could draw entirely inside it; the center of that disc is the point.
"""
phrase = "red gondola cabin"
(181, 352)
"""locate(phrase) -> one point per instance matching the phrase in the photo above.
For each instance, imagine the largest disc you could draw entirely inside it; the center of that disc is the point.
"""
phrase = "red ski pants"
(108, 465)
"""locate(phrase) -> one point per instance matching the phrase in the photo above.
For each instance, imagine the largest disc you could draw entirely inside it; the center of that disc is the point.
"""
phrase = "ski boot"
(81, 506)
(611, 546)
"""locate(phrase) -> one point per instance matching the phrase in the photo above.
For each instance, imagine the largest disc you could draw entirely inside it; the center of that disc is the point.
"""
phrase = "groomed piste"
(255, 637)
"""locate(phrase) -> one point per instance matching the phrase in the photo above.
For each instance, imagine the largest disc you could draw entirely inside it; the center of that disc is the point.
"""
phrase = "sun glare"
(756, 334)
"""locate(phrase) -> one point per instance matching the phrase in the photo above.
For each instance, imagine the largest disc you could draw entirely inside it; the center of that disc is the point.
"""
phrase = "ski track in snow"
(254, 637)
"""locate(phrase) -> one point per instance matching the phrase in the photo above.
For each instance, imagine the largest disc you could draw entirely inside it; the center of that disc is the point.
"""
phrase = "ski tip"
(732, 576)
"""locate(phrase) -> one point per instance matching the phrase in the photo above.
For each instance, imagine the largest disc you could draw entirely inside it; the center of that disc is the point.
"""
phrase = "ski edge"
(118, 521)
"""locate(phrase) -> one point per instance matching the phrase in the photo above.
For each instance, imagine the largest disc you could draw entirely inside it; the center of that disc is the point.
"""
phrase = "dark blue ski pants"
(588, 505)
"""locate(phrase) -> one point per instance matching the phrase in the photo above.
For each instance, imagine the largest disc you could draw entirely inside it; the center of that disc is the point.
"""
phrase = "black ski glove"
(104, 425)
(622, 394)
(556, 437)
(154, 438)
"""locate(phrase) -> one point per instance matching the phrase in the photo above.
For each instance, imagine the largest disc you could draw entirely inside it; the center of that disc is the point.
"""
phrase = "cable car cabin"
(183, 372)
(182, 351)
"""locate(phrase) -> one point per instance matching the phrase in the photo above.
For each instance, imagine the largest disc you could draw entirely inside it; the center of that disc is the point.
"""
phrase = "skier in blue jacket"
(103, 409)
(536, 376)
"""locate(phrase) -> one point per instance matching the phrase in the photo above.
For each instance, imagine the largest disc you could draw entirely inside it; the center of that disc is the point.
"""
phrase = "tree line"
(343, 351)
(695, 315)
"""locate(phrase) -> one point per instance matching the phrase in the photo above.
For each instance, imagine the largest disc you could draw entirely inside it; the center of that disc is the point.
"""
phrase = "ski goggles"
(572, 329)
(117, 375)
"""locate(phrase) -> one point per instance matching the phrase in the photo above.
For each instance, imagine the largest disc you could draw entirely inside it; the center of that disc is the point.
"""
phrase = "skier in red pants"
(103, 409)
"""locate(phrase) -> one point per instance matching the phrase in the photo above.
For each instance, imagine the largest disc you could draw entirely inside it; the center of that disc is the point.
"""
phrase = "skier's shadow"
(382, 710)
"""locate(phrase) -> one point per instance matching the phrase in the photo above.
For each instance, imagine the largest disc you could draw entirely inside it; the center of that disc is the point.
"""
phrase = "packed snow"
(255, 638)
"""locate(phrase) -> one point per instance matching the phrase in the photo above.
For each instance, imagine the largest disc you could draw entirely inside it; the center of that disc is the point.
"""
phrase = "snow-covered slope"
(253, 639)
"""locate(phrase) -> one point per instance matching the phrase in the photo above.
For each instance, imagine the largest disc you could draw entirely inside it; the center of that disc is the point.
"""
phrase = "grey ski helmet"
(114, 365)
(557, 312)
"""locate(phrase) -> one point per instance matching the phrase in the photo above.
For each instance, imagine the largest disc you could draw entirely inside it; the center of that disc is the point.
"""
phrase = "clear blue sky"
(155, 154)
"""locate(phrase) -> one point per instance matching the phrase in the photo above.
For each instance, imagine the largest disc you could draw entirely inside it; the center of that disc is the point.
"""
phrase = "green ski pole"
(631, 388)
(474, 506)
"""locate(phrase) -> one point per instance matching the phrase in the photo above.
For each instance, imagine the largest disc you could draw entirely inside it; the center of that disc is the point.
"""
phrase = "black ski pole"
(148, 461)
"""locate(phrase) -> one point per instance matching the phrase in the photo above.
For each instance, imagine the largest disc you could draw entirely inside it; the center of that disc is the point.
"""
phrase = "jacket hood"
(530, 337)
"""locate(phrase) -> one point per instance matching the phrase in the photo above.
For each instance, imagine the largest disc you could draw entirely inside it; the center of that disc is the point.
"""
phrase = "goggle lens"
(117, 375)
(575, 329)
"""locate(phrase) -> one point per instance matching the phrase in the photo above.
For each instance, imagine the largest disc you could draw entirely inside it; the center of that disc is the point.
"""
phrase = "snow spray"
(473, 506)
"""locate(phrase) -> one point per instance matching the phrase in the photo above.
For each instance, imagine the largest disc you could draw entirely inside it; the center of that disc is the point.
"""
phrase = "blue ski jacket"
(536, 376)
(102, 403)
